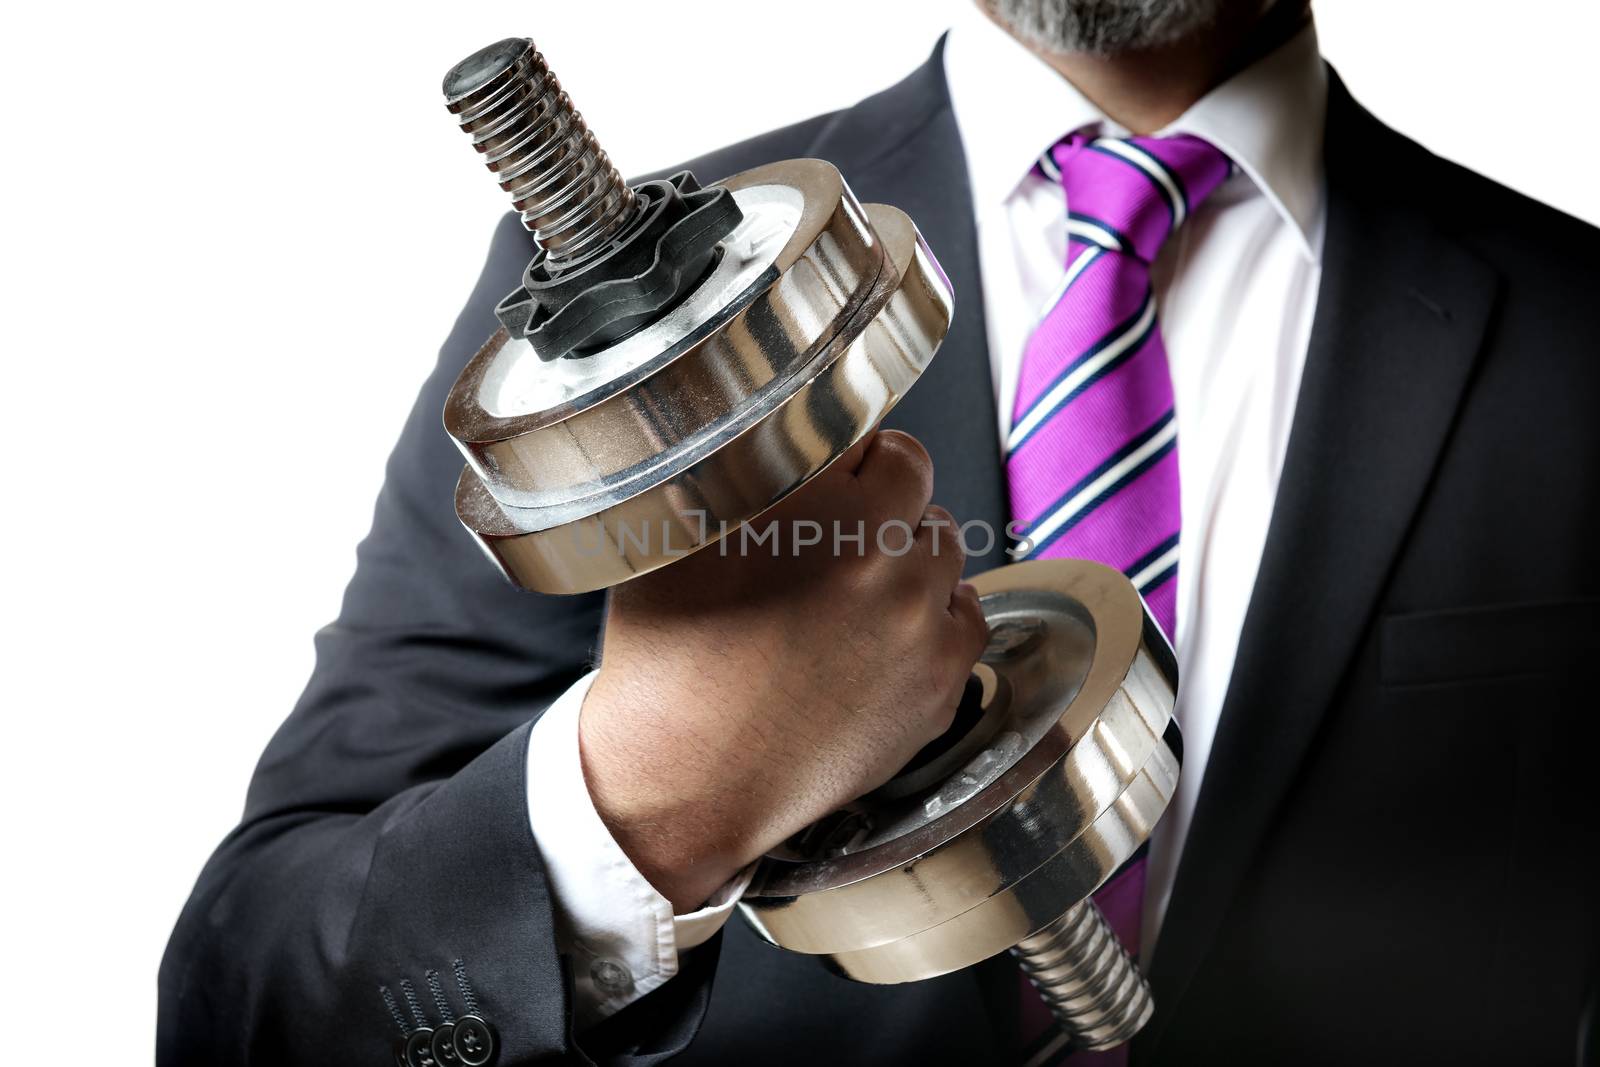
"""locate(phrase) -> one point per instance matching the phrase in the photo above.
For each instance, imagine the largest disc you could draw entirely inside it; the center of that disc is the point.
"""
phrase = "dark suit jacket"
(1394, 857)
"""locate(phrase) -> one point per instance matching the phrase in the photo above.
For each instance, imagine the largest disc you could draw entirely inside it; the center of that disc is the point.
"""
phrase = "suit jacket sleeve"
(385, 868)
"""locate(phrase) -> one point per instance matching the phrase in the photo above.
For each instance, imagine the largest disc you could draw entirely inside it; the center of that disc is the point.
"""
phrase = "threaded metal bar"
(1092, 986)
(539, 149)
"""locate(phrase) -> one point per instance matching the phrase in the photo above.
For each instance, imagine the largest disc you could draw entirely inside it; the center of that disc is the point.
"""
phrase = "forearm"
(386, 833)
(313, 921)
(304, 917)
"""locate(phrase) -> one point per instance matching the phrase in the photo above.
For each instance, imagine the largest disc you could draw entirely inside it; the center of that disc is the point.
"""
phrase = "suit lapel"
(902, 147)
(1397, 329)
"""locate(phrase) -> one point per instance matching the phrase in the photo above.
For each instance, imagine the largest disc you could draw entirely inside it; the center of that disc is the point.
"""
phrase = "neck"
(1145, 90)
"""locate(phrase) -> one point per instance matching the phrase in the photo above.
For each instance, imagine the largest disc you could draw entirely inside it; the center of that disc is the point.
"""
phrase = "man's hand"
(743, 696)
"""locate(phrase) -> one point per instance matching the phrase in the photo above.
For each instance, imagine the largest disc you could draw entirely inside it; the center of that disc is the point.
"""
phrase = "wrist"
(658, 806)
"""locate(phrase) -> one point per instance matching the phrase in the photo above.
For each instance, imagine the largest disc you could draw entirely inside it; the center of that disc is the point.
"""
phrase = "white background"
(234, 236)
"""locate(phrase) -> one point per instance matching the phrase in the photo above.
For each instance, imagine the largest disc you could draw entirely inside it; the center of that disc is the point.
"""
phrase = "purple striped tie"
(1092, 457)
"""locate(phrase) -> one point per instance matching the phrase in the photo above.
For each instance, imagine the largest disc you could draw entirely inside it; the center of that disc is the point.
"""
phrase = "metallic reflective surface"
(584, 473)
(573, 436)
(1068, 784)
(1090, 983)
(539, 149)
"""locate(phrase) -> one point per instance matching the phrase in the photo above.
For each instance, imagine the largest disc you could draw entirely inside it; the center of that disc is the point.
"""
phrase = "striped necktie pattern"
(1092, 456)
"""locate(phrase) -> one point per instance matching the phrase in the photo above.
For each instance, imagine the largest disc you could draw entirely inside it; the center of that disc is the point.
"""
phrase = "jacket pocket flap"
(1494, 641)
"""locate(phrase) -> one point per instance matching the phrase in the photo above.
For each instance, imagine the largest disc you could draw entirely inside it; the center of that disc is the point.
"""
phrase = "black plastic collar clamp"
(573, 310)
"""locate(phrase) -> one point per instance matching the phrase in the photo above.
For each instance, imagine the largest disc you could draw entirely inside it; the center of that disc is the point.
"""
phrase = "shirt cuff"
(620, 934)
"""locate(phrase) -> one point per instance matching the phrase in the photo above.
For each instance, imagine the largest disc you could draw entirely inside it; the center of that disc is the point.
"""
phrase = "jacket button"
(419, 1048)
(473, 1041)
(611, 976)
(444, 1045)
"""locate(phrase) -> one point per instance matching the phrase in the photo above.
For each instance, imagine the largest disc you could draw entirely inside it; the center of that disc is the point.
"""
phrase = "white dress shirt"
(1235, 289)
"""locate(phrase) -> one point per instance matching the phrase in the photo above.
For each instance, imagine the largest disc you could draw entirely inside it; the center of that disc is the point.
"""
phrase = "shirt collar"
(1010, 106)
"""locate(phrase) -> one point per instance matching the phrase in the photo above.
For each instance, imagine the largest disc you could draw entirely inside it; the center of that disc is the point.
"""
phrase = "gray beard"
(1104, 27)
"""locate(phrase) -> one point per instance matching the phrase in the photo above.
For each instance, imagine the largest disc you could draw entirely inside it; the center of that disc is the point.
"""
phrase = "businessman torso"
(1393, 856)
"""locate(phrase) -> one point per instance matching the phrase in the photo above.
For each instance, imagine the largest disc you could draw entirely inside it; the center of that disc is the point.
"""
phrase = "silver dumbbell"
(676, 361)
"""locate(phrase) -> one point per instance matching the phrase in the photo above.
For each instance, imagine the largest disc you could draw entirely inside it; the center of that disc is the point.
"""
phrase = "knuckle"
(945, 540)
(969, 614)
(937, 539)
(942, 713)
(905, 452)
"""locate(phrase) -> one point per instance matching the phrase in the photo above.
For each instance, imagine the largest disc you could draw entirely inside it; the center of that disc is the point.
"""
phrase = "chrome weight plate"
(819, 314)
(1076, 759)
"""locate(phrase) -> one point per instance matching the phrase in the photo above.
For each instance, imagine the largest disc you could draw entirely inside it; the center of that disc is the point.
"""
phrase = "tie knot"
(1128, 194)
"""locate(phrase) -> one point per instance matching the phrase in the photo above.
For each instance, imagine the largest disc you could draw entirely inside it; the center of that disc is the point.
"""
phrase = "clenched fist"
(744, 694)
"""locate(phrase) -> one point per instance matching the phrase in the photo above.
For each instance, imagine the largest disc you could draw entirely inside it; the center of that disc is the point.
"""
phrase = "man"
(1378, 373)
